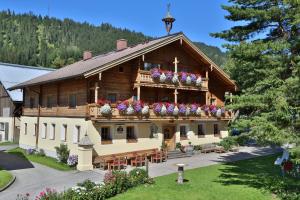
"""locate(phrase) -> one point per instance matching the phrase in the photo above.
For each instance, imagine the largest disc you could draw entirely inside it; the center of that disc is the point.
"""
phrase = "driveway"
(38, 177)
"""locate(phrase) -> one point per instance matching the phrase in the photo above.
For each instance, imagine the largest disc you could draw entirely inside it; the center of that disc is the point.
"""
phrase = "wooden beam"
(96, 91)
(175, 63)
(139, 93)
(175, 95)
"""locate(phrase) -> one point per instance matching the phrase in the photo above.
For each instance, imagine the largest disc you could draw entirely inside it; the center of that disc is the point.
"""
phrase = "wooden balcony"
(95, 115)
(144, 79)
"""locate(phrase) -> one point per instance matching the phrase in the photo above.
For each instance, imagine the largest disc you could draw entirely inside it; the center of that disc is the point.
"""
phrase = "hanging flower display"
(193, 78)
(175, 79)
(138, 106)
(223, 111)
(175, 111)
(157, 108)
(219, 112)
(182, 109)
(187, 111)
(163, 110)
(122, 106)
(188, 80)
(170, 109)
(194, 108)
(199, 81)
(213, 109)
(198, 111)
(105, 109)
(169, 76)
(155, 73)
(145, 110)
(130, 110)
(162, 78)
(183, 76)
(205, 108)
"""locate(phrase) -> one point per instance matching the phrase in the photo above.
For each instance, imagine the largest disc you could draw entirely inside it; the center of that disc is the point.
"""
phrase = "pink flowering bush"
(47, 194)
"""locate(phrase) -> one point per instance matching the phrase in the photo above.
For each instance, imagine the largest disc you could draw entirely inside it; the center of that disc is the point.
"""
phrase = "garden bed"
(43, 160)
(5, 179)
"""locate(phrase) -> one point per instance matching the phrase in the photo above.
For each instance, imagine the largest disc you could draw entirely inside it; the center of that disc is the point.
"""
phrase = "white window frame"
(76, 134)
(44, 131)
(52, 132)
(2, 126)
(35, 129)
(25, 128)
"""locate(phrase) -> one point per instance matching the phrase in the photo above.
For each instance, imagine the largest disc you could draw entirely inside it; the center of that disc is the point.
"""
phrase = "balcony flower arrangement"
(199, 81)
(162, 77)
(175, 79)
(105, 108)
(155, 73)
(219, 112)
(199, 111)
(130, 110)
(138, 106)
(194, 108)
(122, 106)
(169, 76)
(163, 110)
(213, 109)
(145, 110)
(193, 78)
(176, 110)
(183, 76)
(205, 108)
(182, 109)
(223, 110)
(187, 111)
(170, 108)
(157, 108)
(188, 80)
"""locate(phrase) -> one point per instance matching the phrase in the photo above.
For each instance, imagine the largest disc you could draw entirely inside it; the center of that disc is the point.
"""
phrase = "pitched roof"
(12, 74)
(102, 62)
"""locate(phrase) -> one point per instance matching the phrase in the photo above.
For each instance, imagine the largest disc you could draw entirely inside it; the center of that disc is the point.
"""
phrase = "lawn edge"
(9, 183)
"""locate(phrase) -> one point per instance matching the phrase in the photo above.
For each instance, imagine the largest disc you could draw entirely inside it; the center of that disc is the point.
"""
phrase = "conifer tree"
(264, 60)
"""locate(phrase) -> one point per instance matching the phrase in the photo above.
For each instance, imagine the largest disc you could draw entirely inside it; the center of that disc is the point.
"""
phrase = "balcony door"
(169, 137)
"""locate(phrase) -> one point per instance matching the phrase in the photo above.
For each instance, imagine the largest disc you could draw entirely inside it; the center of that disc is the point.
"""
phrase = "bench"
(207, 148)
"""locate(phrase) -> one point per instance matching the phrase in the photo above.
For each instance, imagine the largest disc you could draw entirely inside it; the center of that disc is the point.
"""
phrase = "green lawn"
(248, 179)
(44, 160)
(6, 143)
(5, 178)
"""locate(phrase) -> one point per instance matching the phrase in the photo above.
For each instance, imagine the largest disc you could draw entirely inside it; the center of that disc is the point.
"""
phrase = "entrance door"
(169, 137)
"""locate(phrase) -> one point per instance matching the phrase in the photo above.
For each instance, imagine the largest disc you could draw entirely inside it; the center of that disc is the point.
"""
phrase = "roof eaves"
(28, 67)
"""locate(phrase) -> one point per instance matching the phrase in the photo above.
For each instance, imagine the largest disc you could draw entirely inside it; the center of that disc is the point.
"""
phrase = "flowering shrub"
(62, 153)
(30, 151)
(47, 194)
(72, 160)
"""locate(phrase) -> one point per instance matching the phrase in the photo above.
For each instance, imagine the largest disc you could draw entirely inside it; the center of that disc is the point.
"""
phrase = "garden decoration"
(180, 178)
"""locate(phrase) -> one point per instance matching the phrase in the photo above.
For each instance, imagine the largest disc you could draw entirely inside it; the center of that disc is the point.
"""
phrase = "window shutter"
(63, 133)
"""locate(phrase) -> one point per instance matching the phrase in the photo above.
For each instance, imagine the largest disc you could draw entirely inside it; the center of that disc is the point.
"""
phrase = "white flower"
(198, 111)
(175, 111)
(175, 79)
(188, 111)
(219, 112)
(162, 78)
(199, 81)
(130, 110)
(163, 110)
(145, 110)
(106, 109)
(188, 80)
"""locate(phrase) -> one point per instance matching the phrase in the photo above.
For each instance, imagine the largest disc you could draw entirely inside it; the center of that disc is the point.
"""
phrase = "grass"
(43, 160)
(5, 178)
(251, 179)
(7, 143)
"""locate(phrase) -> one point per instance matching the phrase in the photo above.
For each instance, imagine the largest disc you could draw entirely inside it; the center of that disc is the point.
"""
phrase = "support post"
(138, 93)
(175, 63)
(206, 98)
(230, 97)
(175, 95)
(96, 91)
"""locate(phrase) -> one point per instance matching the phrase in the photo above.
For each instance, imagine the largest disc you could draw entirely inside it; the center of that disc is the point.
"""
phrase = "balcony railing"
(144, 79)
(115, 115)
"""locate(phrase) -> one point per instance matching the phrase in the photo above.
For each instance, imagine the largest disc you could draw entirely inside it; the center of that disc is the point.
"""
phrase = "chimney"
(121, 44)
(87, 55)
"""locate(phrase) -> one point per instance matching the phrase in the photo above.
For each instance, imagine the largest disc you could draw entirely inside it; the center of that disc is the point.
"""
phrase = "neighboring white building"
(11, 101)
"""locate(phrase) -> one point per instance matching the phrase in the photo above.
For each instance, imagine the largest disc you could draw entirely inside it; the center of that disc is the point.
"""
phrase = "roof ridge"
(27, 66)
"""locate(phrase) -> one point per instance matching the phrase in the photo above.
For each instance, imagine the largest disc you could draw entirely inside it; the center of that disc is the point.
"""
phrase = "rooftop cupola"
(168, 20)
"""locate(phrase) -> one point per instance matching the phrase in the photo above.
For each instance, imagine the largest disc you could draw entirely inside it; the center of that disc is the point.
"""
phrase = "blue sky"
(196, 18)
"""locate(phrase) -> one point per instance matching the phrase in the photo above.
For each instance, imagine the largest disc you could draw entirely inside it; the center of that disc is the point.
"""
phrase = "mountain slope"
(42, 41)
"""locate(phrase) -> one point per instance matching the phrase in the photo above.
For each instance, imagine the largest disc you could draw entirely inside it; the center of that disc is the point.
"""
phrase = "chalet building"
(11, 101)
(154, 94)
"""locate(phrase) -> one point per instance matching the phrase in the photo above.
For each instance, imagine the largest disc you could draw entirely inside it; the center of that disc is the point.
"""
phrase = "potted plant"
(162, 78)
(163, 110)
(176, 110)
(169, 76)
(199, 81)
(182, 109)
(175, 79)
(155, 74)
(145, 110)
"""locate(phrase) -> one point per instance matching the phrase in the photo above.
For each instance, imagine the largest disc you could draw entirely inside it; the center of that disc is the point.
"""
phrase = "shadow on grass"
(262, 174)
(14, 161)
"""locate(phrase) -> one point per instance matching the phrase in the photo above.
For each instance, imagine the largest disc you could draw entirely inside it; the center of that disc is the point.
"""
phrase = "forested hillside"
(42, 41)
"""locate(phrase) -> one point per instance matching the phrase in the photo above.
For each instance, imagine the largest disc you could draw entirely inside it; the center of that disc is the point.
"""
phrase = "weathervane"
(168, 20)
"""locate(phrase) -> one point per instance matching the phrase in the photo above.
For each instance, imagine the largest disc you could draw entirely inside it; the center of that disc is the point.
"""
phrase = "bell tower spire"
(168, 20)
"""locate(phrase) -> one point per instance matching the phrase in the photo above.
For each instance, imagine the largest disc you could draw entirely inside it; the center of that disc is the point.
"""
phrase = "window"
(31, 102)
(72, 101)
(1, 126)
(63, 133)
(216, 130)
(130, 135)
(183, 132)
(112, 97)
(25, 128)
(105, 135)
(52, 132)
(76, 134)
(201, 130)
(35, 129)
(44, 131)
(121, 69)
(49, 101)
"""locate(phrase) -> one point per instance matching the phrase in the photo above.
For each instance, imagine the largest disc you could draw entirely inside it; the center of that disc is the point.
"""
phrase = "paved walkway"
(36, 178)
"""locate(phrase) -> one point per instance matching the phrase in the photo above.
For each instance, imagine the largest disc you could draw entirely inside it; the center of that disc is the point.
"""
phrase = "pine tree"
(264, 60)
